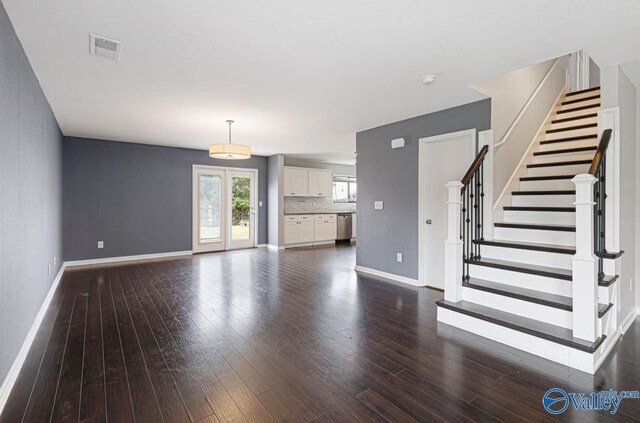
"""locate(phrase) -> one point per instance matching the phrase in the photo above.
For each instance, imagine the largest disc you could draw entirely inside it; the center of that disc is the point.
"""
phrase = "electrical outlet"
(100, 244)
(259, 203)
(399, 257)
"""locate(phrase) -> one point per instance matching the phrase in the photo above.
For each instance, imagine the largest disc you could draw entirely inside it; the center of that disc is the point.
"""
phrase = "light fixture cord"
(230, 132)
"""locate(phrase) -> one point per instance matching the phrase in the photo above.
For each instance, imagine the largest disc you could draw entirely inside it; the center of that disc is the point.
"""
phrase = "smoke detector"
(428, 79)
(104, 47)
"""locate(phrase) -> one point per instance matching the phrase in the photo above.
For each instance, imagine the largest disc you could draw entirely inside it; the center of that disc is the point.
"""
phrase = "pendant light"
(229, 151)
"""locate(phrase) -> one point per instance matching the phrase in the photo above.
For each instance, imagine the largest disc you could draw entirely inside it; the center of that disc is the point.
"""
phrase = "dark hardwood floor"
(296, 336)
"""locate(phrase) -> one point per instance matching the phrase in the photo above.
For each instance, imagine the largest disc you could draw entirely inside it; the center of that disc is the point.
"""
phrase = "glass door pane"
(210, 203)
(240, 207)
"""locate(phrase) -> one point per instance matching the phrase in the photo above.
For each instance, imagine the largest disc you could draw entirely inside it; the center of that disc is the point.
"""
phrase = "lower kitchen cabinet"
(309, 228)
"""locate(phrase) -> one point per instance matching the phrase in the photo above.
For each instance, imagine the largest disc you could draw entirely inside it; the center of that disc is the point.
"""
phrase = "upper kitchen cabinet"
(302, 182)
(296, 182)
(319, 183)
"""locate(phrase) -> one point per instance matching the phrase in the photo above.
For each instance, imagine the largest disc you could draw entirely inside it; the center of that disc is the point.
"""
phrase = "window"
(345, 189)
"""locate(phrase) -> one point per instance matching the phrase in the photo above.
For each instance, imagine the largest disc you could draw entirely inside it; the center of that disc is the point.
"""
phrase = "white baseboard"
(629, 319)
(14, 370)
(262, 245)
(384, 275)
(106, 260)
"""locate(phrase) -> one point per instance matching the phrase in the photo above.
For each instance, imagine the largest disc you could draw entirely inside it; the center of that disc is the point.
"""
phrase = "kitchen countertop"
(326, 212)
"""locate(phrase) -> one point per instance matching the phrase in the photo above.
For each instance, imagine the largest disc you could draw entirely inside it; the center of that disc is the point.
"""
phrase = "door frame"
(471, 135)
(194, 205)
(229, 174)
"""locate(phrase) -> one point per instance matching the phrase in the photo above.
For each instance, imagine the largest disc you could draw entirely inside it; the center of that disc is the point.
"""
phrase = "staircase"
(518, 287)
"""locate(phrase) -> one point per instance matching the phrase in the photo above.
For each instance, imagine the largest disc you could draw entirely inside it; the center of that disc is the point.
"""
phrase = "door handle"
(428, 222)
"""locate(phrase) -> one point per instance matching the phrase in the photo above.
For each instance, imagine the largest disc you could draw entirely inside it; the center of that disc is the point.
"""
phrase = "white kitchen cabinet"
(298, 229)
(320, 183)
(325, 227)
(296, 182)
(353, 226)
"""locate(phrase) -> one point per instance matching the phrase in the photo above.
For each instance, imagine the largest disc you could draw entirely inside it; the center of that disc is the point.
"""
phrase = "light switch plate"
(259, 203)
(100, 244)
(399, 257)
(378, 205)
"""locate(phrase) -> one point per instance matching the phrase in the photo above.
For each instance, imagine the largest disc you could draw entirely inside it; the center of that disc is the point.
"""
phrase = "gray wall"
(135, 197)
(392, 176)
(30, 195)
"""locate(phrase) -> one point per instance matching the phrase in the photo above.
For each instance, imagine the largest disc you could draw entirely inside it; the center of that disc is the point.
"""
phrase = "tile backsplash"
(315, 204)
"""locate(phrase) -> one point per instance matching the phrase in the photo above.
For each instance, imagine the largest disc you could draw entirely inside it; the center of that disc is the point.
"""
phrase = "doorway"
(224, 212)
(442, 158)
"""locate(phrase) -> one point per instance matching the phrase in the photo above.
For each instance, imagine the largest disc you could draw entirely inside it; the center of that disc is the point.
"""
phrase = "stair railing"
(465, 214)
(598, 169)
(587, 263)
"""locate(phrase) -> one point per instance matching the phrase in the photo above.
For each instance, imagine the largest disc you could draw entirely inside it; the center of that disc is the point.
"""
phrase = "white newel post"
(585, 269)
(453, 245)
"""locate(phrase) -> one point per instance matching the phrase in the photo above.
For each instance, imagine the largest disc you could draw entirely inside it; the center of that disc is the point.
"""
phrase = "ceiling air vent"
(105, 47)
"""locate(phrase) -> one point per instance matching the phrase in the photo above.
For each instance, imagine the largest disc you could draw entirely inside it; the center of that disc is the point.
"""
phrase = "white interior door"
(443, 158)
(209, 210)
(241, 209)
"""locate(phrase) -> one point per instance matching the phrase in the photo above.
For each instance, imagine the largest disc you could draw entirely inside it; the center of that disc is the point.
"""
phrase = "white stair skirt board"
(516, 255)
(553, 185)
(554, 158)
(535, 236)
(387, 276)
(558, 170)
(589, 142)
(553, 351)
(107, 260)
(539, 217)
(542, 313)
(522, 280)
(535, 200)
(576, 122)
(18, 362)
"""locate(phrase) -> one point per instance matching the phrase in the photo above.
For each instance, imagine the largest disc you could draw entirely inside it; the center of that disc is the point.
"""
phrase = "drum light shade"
(229, 151)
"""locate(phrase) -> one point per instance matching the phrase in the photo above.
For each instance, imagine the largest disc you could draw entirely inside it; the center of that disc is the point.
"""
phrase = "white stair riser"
(575, 122)
(582, 95)
(577, 113)
(542, 313)
(552, 185)
(558, 170)
(543, 200)
(607, 294)
(535, 236)
(541, 347)
(541, 258)
(587, 155)
(541, 217)
(591, 142)
(522, 280)
(571, 133)
(580, 104)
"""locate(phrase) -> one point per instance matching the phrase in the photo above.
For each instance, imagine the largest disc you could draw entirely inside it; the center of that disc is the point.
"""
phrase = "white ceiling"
(300, 77)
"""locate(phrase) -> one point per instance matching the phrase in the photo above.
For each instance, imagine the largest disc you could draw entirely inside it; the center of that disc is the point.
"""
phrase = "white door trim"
(226, 171)
(422, 174)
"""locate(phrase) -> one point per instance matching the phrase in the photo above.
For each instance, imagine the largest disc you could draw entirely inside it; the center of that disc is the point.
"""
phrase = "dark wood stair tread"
(568, 139)
(532, 327)
(565, 151)
(547, 248)
(537, 226)
(577, 109)
(580, 100)
(546, 178)
(565, 163)
(530, 295)
(586, 90)
(549, 192)
(531, 269)
(587, 116)
(541, 209)
(572, 128)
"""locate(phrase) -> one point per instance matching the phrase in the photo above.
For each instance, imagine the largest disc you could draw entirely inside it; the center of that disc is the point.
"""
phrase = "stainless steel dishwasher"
(344, 226)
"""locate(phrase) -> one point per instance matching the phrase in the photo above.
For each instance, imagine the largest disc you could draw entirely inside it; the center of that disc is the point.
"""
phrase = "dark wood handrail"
(475, 165)
(602, 148)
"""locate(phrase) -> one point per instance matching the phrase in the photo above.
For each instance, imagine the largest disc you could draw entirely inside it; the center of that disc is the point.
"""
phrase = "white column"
(585, 269)
(453, 245)
(486, 138)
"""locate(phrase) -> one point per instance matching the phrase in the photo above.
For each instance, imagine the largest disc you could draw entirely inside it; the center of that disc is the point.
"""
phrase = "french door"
(223, 209)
